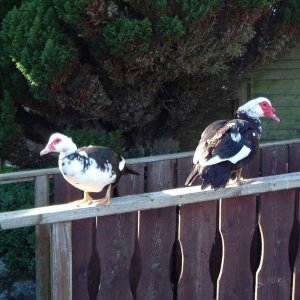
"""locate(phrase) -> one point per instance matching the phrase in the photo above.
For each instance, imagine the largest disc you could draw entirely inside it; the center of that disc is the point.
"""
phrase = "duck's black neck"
(255, 122)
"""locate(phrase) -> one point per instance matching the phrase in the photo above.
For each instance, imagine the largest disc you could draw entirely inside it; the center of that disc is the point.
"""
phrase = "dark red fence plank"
(85, 260)
(276, 221)
(132, 184)
(115, 243)
(157, 237)
(116, 240)
(294, 166)
(237, 226)
(184, 168)
(64, 192)
(197, 236)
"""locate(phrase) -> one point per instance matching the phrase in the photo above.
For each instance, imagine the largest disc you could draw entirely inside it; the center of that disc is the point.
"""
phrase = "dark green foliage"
(71, 11)
(292, 11)
(6, 6)
(145, 67)
(17, 246)
(82, 138)
(195, 9)
(254, 3)
(124, 35)
(10, 131)
(170, 27)
(33, 39)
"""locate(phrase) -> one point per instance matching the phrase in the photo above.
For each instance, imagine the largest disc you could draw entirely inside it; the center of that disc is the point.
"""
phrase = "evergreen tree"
(142, 67)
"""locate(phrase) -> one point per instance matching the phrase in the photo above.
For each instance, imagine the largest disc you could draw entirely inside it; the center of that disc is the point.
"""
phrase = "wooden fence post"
(61, 261)
(42, 241)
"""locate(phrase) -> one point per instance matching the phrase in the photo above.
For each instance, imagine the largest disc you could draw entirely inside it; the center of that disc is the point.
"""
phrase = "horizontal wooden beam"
(165, 198)
(30, 175)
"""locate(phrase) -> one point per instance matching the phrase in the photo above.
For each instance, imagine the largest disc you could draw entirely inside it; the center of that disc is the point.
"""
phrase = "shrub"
(9, 129)
(195, 9)
(124, 35)
(17, 246)
(32, 37)
(170, 27)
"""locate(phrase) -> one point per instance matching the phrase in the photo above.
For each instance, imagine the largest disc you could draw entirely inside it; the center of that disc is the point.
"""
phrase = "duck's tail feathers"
(127, 170)
(191, 178)
(216, 175)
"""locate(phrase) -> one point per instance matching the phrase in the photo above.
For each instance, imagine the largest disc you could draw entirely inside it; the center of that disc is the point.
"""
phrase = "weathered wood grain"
(115, 245)
(276, 214)
(279, 74)
(61, 261)
(42, 241)
(85, 260)
(237, 227)
(85, 271)
(198, 226)
(294, 166)
(165, 198)
(156, 238)
(184, 168)
(30, 175)
(132, 184)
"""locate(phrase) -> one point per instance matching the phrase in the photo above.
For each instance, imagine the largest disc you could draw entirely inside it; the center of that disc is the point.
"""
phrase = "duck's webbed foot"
(106, 199)
(87, 199)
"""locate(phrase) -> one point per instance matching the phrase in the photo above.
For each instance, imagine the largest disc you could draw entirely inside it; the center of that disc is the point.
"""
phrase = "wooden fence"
(162, 243)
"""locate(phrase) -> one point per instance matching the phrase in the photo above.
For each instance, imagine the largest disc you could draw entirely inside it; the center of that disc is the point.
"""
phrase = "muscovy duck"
(226, 146)
(89, 169)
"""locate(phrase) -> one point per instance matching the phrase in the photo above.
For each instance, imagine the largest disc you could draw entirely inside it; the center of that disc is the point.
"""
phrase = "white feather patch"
(122, 164)
(244, 152)
(236, 137)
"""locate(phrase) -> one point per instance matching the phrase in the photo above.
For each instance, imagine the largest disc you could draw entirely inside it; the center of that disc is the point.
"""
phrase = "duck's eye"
(265, 104)
(57, 140)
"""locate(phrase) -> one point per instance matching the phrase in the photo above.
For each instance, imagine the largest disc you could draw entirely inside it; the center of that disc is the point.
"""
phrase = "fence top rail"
(30, 175)
(165, 198)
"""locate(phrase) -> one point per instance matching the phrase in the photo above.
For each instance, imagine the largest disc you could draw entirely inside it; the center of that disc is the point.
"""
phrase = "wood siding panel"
(280, 74)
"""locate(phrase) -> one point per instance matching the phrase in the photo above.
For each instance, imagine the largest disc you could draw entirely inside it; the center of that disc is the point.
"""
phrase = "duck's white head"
(259, 107)
(59, 143)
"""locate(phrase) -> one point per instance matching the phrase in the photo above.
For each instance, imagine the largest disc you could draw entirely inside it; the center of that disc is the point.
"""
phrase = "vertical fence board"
(157, 237)
(42, 241)
(61, 261)
(115, 243)
(294, 166)
(197, 235)
(276, 220)
(64, 192)
(132, 184)
(184, 168)
(85, 270)
(237, 227)
(116, 240)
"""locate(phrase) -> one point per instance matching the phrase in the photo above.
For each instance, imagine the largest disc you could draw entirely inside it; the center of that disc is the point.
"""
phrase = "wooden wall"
(280, 82)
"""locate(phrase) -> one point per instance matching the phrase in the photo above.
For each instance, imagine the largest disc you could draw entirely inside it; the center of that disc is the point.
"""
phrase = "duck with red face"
(226, 146)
